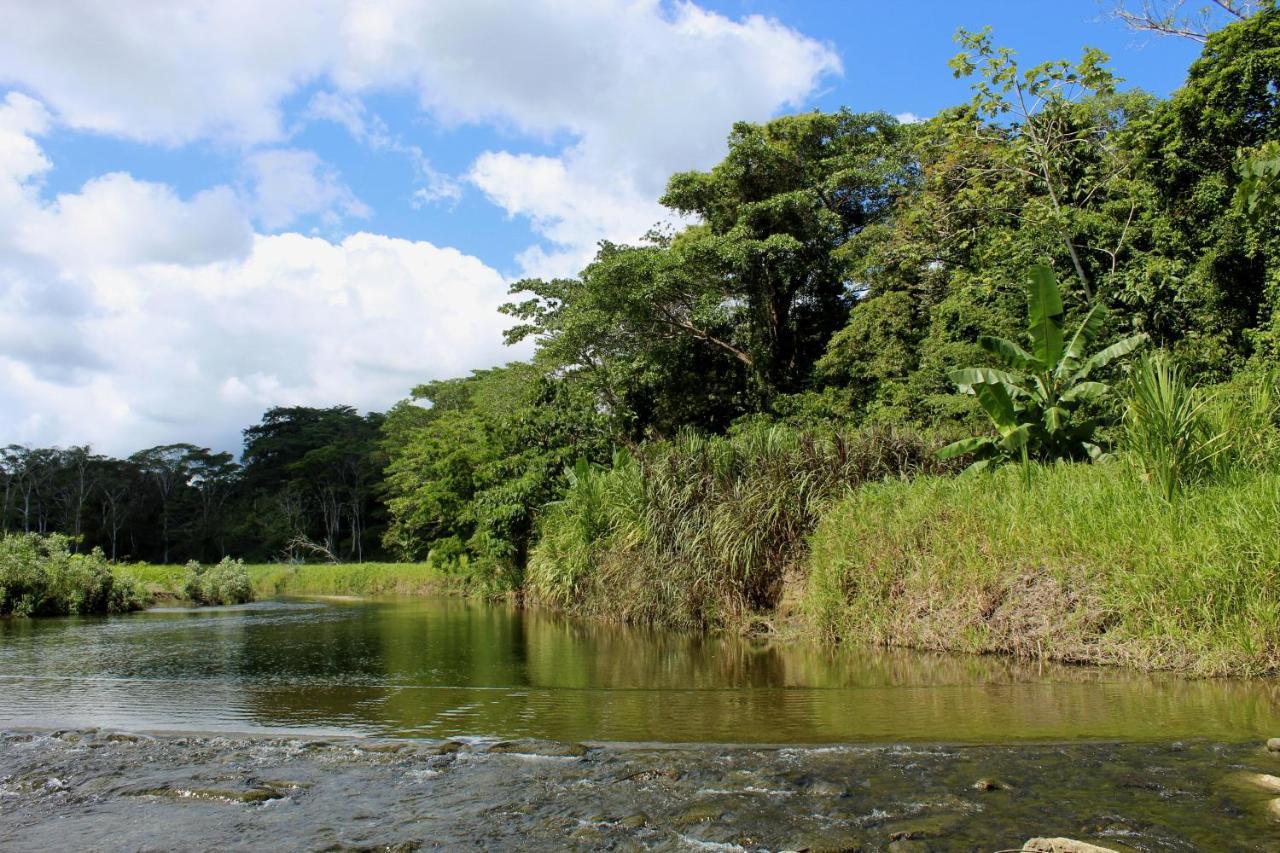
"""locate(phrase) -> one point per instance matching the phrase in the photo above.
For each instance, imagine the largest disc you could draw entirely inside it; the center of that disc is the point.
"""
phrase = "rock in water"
(1273, 744)
(1062, 845)
(1265, 781)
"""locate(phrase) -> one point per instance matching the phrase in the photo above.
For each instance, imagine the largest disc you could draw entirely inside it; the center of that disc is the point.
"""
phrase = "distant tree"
(170, 469)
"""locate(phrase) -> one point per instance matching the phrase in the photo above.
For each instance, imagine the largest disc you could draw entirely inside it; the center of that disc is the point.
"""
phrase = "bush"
(39, 576)
(224, 583)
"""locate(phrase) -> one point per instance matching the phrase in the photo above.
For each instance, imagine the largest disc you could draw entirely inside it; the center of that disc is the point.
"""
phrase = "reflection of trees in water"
(451, 666)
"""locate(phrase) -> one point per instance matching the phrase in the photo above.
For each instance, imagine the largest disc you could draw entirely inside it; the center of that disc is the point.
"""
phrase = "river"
(312, 724)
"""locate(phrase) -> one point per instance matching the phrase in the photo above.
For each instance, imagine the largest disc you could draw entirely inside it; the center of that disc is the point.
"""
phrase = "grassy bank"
(273, 579)
(699, 532)
(1089, 565)
(353, 579)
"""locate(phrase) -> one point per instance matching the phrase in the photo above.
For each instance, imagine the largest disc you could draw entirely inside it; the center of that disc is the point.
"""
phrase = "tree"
(754, 289)
(1060, 139)
(1171, 18)
(1209, 278)
(468, 472)
(169, 468)
(311, 473)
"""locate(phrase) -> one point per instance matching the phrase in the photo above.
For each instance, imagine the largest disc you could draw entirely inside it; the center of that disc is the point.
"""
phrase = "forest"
(845, 308)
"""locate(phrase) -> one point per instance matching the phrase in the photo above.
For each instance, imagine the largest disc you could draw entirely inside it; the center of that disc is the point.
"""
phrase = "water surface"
(441, 668)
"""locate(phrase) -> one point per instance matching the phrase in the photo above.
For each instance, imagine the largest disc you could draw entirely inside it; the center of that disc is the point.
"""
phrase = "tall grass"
(1181, 434)
(1167, 426)
(697, 530)
(1089, 564)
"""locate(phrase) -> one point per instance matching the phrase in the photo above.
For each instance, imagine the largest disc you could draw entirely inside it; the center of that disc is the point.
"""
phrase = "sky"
(212, 207)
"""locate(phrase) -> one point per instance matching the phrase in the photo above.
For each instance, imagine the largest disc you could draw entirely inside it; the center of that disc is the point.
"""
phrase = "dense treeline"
(305, 486)
(838, 270)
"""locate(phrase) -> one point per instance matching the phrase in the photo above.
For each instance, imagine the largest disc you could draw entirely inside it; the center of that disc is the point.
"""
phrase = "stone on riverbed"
(1062, 845)
(1273, 744)
(1265, 781)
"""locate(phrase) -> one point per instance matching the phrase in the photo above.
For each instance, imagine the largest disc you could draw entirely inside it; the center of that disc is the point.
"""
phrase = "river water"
(364, 724)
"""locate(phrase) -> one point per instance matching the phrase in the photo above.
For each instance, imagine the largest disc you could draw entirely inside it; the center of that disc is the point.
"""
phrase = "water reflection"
(453, 667)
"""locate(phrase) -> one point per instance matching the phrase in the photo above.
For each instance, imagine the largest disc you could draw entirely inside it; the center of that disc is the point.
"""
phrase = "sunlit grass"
(275, 579)
(1091, 564)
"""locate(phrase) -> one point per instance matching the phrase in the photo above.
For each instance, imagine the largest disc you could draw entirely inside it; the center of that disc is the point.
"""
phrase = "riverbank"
(73, 789)
(269, 580)
(1087, 565)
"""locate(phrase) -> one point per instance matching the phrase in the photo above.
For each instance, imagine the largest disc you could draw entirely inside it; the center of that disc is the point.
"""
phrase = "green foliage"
(360, 579)
(1206, 279)
(227, 582)
(711, 323)
(1087, 565)
(1258, 195)
(1034, 402)
(39, 576)
(467, 476)
(1167, 427)
(697, 530)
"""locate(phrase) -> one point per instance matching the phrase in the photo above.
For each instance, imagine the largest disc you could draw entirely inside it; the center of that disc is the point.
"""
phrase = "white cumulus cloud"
(131, 316)
(131, 312)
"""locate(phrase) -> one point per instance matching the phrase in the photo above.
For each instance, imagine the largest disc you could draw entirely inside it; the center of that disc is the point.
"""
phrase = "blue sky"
(215, 207)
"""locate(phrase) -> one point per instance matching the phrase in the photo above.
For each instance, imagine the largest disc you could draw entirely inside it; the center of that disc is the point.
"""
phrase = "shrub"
(1036, 404)
(224, 583)
(40, 577)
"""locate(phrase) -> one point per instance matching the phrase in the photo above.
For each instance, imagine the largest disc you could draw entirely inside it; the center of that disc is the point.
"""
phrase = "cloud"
(290, 183)
(131, 316)
(132, 313)
(908, 118)
(638, 88)
(369, 129)
(169, 72)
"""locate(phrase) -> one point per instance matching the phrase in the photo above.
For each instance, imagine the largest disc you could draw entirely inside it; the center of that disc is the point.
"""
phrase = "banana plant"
(1034, 398)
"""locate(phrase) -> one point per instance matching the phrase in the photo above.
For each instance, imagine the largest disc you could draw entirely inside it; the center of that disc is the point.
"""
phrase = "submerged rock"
(1273, 809)
(1273, 744)
(543, 748)
(1265, 781)
(1062, 845)
(989, 785)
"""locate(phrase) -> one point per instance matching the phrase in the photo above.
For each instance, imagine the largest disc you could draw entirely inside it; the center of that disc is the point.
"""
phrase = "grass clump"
(1089, 564)
(39, 576)
(225, 582)
(702, 531)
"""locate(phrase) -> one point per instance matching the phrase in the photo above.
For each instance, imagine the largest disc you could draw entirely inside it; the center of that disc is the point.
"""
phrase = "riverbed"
(366, 724)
